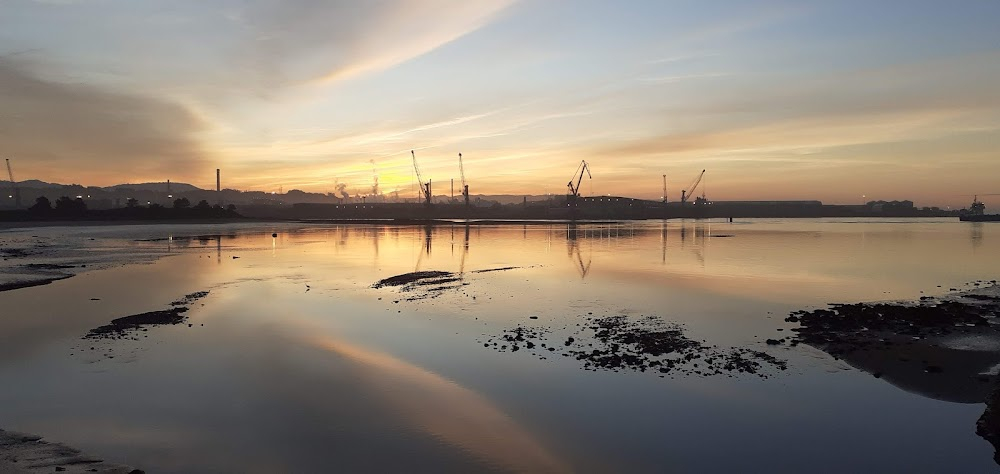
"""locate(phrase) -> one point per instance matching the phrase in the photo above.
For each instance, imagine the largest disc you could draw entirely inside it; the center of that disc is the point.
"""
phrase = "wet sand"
(27, 454)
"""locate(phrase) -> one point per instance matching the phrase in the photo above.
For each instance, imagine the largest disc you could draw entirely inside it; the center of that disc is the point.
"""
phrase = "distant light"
(170, 196)
(79, 197)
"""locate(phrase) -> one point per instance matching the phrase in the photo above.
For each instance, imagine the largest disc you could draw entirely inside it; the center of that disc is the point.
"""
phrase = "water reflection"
(465, 250)
(508, 410)
(976, 234)
(448, 411)
(762, 256)
(663, 242)
(573, 234)
(967, 379)
(428, 238)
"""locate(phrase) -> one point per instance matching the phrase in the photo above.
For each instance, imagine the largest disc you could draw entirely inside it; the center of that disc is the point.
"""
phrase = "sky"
(841, 101)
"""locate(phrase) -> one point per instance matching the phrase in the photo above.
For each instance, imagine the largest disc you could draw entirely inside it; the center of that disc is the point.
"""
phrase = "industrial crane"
(574, 190)
(687, 193)
(425, 188)
(15, 193)
(465, 186)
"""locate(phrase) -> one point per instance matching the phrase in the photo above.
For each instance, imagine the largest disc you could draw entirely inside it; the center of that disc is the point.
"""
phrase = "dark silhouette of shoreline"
(67, 209)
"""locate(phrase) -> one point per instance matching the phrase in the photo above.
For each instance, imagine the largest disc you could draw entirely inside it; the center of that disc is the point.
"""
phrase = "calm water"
(293, 363)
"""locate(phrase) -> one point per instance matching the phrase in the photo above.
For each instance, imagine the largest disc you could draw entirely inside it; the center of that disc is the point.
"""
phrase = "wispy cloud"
(670, 79)
(413, 28)
(329, 41)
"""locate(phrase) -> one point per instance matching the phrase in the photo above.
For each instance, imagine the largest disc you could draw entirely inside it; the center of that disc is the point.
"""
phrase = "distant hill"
(152, 187)
(31, 183)
(155, 187)
(292, 196)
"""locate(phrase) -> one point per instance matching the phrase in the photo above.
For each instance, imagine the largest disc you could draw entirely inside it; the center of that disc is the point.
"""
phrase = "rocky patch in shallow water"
(431, 283)
(126, 327)
(963, 320)
(189, 299)
(422, 285)
(648, 344)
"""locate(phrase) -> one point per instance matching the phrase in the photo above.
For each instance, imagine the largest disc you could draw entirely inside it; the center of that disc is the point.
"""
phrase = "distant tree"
(182, 203)
(42, 204)
(132, 202)
(231, 208)
(64, 203)
(67, 205)
(203, 204)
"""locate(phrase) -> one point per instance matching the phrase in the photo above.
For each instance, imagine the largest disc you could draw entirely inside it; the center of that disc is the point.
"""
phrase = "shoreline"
(14, 225)
(24, 453)
(10, 225)
(17, 285)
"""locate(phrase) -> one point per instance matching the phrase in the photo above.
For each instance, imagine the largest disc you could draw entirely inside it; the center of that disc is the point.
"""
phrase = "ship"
(977, 213)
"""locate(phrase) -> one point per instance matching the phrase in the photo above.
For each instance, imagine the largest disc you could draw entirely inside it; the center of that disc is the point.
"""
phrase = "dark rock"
(119, 327)
(988, 425)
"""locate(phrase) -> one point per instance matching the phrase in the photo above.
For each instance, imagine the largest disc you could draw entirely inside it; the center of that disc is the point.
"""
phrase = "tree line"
(67, 207)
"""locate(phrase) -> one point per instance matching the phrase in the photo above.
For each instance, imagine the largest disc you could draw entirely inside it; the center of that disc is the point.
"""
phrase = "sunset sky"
(829, 100)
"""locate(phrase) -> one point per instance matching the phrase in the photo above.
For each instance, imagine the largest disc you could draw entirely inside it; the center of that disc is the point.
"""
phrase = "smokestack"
(664, 188)
(218, 186)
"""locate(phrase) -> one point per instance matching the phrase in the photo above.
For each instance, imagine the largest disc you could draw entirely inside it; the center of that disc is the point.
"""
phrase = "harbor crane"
(687, 193)
(465, 186)
(574, 190)
(14, 192)
(425, 188)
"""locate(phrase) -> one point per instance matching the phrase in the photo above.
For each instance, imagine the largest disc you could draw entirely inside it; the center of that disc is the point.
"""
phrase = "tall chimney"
(218, 186)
